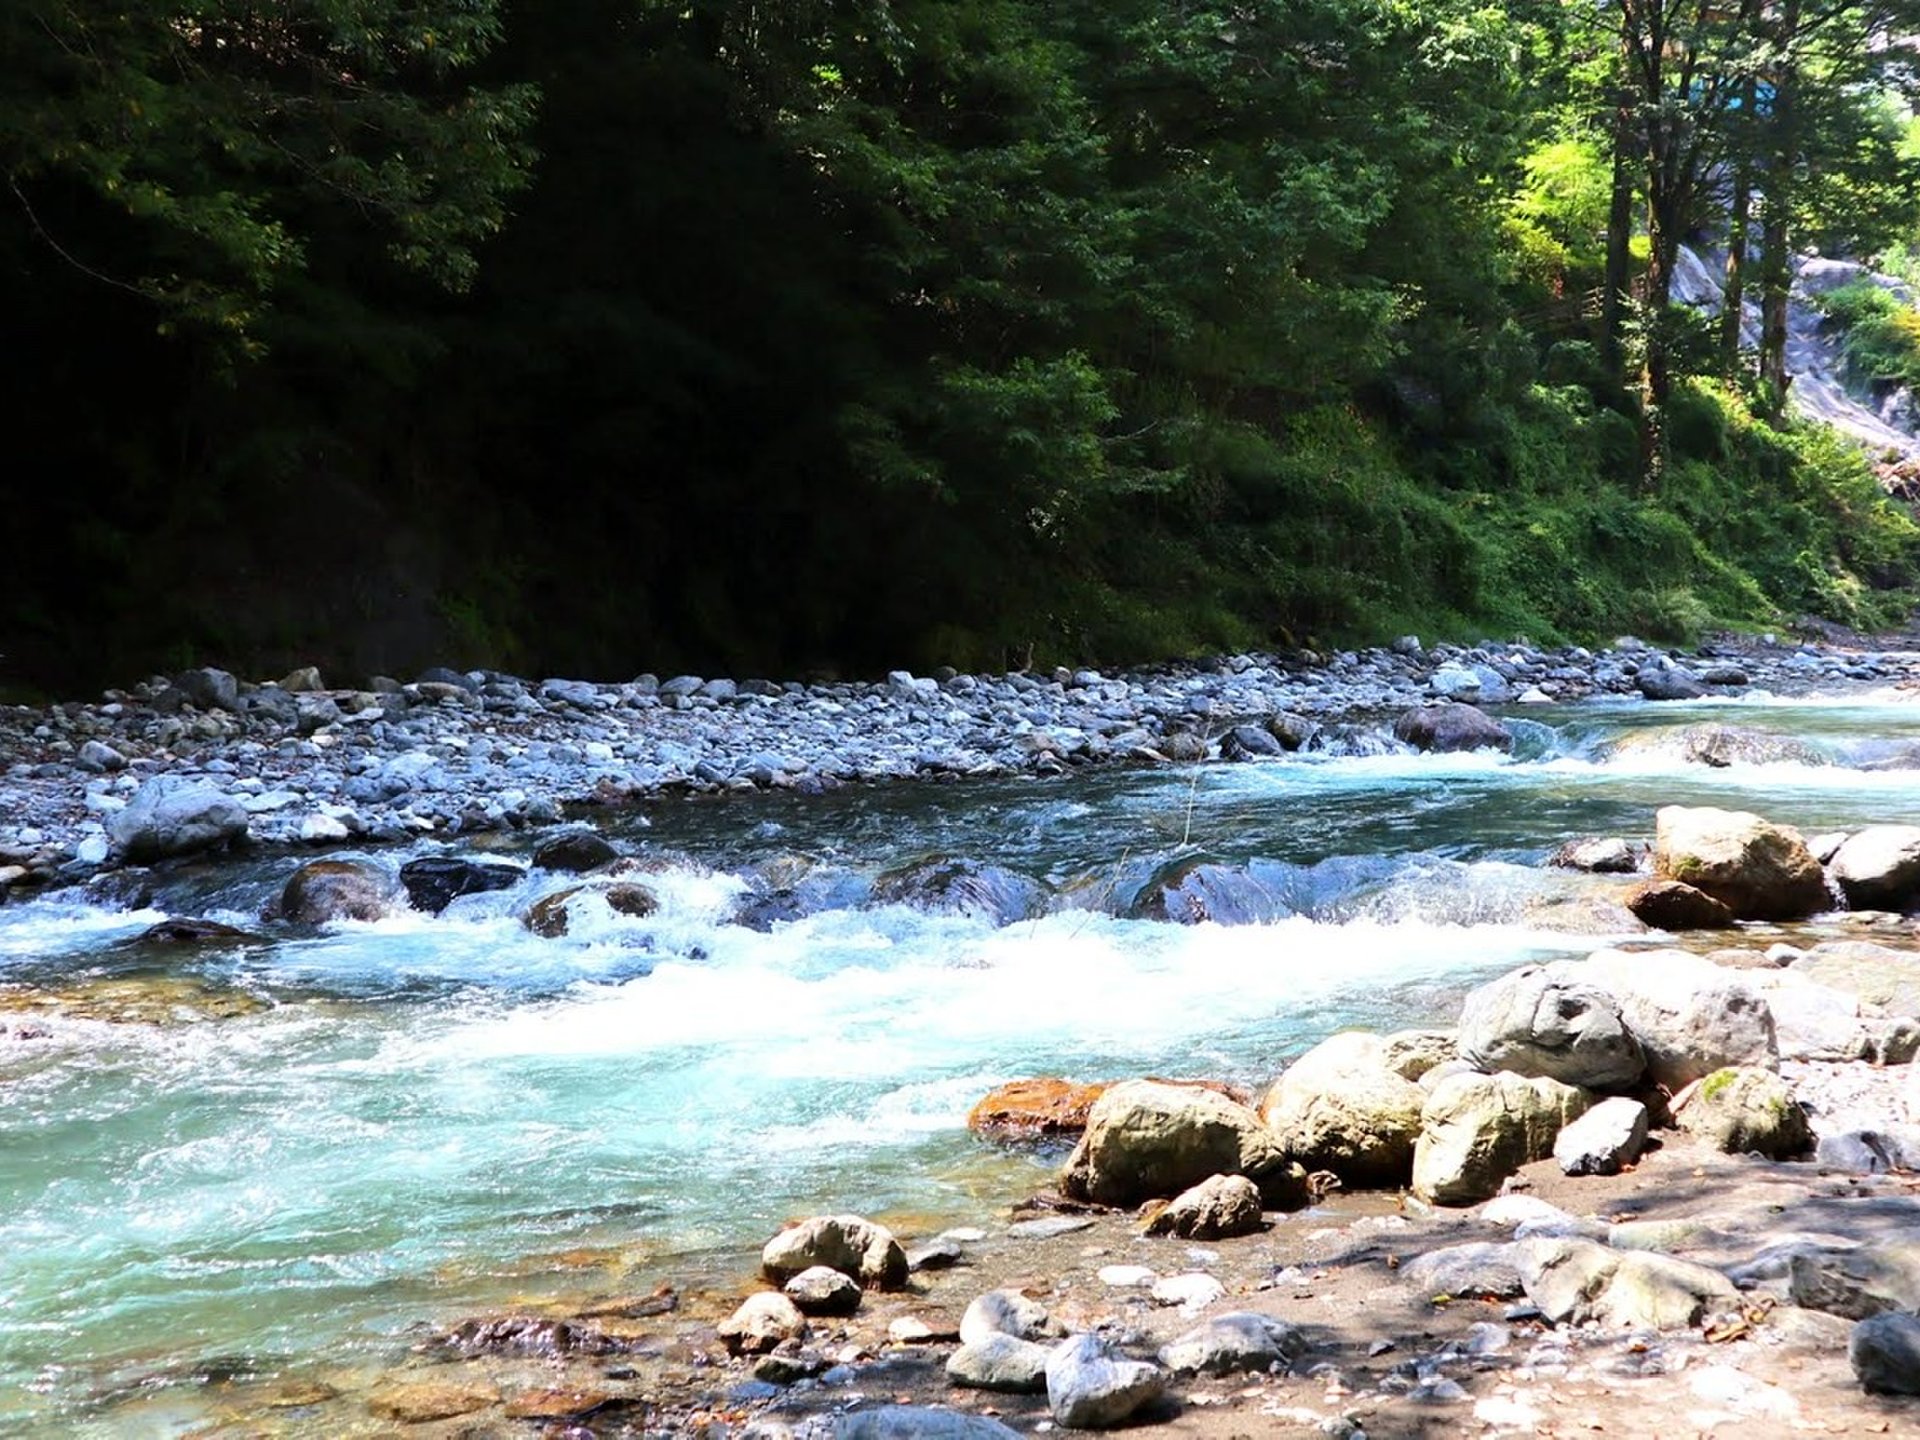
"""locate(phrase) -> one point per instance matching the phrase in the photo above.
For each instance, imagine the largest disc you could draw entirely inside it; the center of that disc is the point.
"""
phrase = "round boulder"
(1343, 1107)
(1478, 1129)
(1671, 905)
(1548, 1020)
(848, 1243)
(1147, 1140)
(322, 892)
(175, 815)
(762, 1322)
(1218, 1208)
(1878, 868)
(1450, 727)
(1758, 870)
(1743, 1111)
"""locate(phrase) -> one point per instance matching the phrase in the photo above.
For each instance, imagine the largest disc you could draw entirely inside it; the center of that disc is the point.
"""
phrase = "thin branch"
(65, 254)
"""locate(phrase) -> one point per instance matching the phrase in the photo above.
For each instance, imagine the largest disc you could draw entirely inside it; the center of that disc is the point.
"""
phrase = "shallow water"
(419, 1119)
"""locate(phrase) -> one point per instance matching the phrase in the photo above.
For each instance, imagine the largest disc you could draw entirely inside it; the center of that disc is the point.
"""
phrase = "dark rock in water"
(434, 882)
(128, 889)
(1663, 680)
(575, 853)
(181, 930)
(549, 916)
(964, 886)
(776, 907)
(1292, 731)
(1607, 856)
(324, 891)
(526, 1335)
(1249, 742)
(1671, 905)
(1451, 726)
(1190, 891)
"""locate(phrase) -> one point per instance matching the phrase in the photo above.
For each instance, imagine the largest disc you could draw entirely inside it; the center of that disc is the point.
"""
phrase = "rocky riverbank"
(297, 762)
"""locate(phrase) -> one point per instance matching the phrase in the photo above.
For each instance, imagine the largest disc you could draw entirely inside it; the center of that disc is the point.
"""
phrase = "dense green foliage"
(1882, 335)
(602, 335)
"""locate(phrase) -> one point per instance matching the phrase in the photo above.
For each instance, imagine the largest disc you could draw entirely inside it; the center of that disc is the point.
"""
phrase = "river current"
(310, 1147)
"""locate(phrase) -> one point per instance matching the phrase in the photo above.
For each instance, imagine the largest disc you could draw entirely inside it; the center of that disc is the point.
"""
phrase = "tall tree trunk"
(1619, 240)
(1776, 265)
(1739, 216)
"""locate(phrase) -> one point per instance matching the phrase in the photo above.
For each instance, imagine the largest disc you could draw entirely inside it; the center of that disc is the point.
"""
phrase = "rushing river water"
(315, 1143)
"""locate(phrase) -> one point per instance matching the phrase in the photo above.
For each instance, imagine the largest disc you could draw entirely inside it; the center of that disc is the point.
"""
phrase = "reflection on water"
(288, 1144)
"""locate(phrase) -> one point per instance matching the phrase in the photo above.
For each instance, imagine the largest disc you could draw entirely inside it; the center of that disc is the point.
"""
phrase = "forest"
(807, 337)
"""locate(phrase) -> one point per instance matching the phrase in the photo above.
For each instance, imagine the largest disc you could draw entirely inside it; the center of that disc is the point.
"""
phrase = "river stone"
(1034, 1109)
(1451, 727)
(1218, 1208)
(1340, 1107)
(1661, 679)
(1742, 1110)
(1878, 868)
(1885, 1354)
(1234, 1344)
(1146, 1140)
(1410, 1054)
(1878, 975)
(1870, 1152)
(913, 1422)
(763, 1321)
(419, 1403)
(1197, 892)
(434, 882)
(822, 1290)
(1000, 1362)
(1006, 1312)
(1609, 855)
(1476, 1130)
(1089, 1387)
(208, 689)
(175, 815)
(1569, 1279)
(1550, 1020)
(958, 885)
(1719, 746)
(1671, 905)
(1478, 1267)
(1600, 1142)
(1758, 870)
(1691, 1017)
(848, 1243)
(323, 892)
(1859, 1282)
(575, 852)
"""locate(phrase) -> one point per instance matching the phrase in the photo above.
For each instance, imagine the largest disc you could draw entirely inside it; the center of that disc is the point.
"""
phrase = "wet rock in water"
(421, 1402)
(1550, 1020)
(1218, 1208)
(1091, 1387)
(763, 1321)
(1609, 1136)
(1477, 1130)
(185, 930)
(1147, 1141)
(1758, 870)
(912, 1422)
(434, 882)
(1606, 856)
(1743, 1111)
(957, 885)
(1857, 1282)
(527, 1335)
(1292, 731)
(1451, 727)
(1006, 1312)
(1691, 1017)
(1034, 1109)
(552, 915)
(1000, 1362)
(175, 815)
(324, 892)
(1343, 1107)
(1878, 868)
(1885, 1354)
(1719, 746)
(1193, 892)
(852, 1245)
(1235, 1344)
(822, 1290)
(1249, 742)
(1183, 746)
(575, 852)
(559, 1404)
(1661, 679)
(1670, 905)
(138, 1000)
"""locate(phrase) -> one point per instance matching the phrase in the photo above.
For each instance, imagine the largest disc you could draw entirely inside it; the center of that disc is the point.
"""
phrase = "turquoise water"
(413, 1112)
